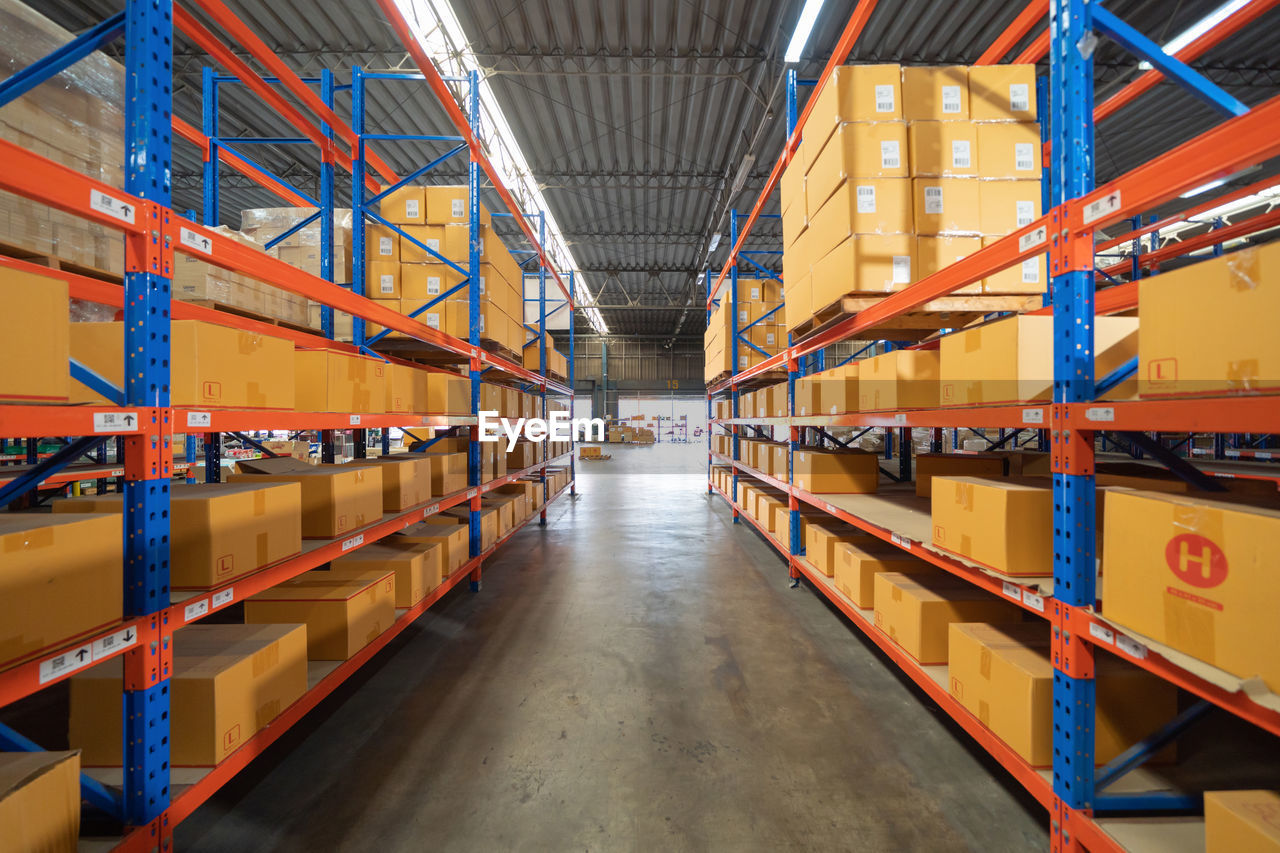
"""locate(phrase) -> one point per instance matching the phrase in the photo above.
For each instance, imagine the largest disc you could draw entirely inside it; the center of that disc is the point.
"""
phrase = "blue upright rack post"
(473, 317)
(573, 396)
(542, 349)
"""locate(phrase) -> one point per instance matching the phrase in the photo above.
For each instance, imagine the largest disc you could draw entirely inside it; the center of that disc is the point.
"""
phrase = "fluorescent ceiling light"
(804, 26)
(1204, 188)
(437, 29)
(1198, 29)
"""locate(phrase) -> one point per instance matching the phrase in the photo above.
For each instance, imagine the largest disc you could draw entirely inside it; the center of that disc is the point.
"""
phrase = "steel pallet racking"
(151, 801)
(1076, 796)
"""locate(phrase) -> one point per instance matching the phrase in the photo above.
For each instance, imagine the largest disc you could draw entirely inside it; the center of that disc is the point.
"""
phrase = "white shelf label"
(1097, 209)
(355, 420)
(1032, 600)
(353, 542)
(113, 207)
(1032, 239)
(223, 598)
(1131, 647)
(192, 240)
(114, 421)
(199, 419)
(900, 541)
(1262, 454)
(67, 662)
(1013, 591)
(431, 510)
(195, 610)
(829, 508)
(1102, 633)
(108, 646)
(900, 418)
(1033, 416)
(1100, 413)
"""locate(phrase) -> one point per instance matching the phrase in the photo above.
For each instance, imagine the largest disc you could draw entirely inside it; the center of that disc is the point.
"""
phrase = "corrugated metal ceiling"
(636, 115)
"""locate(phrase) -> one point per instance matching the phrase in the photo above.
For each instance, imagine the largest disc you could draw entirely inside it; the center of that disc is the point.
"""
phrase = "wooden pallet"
(946, 312)
(252, 315)
(55, 263)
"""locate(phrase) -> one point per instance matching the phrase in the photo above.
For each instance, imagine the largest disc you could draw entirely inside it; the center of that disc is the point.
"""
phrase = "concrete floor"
(637, 676)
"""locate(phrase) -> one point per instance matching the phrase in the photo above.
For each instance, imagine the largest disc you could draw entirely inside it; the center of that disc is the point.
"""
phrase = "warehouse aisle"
(635, 677)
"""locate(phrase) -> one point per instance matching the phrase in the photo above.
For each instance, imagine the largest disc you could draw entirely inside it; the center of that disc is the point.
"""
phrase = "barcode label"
(744, 316)
(192, 240)
(113, 207)
(830, 508)
(884, 99)
(890, 156)
(114, 421)
(866, 199)
(199, 419)
(901, 269)
(433, 321)
(113, 643)
(222, 599)
(411, 208)
(353, 542)
(458, 207)
(1031, 271)
(1033, 416)
(433, 285)
(1130, 646)
(769, 339)
(1019, 97)
(1013, 591)
(900, 418)
(69, 661)
(960, 154)
(1032, 239)
(195, 610)
(1024, 157)
(1100, 208)
(387, 283)
(1032, 600)
(384, 246)
(433, 243)
(1100, 413)
(1026, 212)
(900, 541)
(933, 199)
(951, 99)
(1101, 632)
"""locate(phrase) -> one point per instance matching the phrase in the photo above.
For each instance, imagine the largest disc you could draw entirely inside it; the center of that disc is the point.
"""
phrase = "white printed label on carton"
(866, 199)
(113, 207)
(1033, 416)
(482, 324)
(901, 269)
(884, 99)
(192, 240)
(890, 155)
(480, 246)
(114, 421)
(411, 208)
(433, 285)
(387, 283)
(755, 294)
(1026, 211)
(433, 321)
(1031, 271)
(458, 207)
(951, 99)
(385, 246)
(960, 154)
(1024, 157)
(195, 610)
(1100, 208)
(1019, 97)
(933, 199)
(1102, 632)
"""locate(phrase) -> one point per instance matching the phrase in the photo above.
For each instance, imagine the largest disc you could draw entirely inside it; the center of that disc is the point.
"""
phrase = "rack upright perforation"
(1082, 802)
(153, 798)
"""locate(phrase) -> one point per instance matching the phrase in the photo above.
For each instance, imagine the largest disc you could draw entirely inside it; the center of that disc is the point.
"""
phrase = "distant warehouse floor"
(635, 677)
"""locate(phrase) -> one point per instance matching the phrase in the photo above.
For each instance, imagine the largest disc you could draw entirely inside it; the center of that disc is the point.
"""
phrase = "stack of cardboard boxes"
(761, 319)
(901, 172)
(557, 364)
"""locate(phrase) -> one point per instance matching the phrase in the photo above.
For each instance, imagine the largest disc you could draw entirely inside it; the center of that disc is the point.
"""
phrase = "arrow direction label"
(1095, 210)
(67, 662)
(196, 610)
(1033, 416)
(108, 646)
(114, 421)
(223, 598)
(113, 207)
(1032, 239)
(199, 419)
(192, 240)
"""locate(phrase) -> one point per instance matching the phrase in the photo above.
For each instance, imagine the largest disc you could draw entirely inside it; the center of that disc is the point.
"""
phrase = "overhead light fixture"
(715, 242)
(1204, 188)
(804, 26)
(1198, 29)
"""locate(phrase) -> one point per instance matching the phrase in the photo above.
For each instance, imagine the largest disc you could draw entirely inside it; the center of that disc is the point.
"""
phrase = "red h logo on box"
(1196, 560)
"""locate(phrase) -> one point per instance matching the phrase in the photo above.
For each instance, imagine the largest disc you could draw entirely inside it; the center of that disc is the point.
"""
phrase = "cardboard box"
(791, 188)
(864, 263)
(935, 92)
(857, 150)
(936, 253)
(822, 538)
(448, 394)
(382, 280)
(1235, 821)
(218, 531)
(900, 379)
(407, 388)
(404, 206)
(1005, 525)
(62, 578)
(860, 206)
(34, 333)
(338, 382)
(1009, 150)
(1011, 360)
(211, 365)
(422, 283)
(1002, 93)
(448, 471)
(40, 801)
(1003, 675)
(418, 566)
(947, 205)
(336, 499)
(1196, 575)
(1029, 276)
(1007, 206)
(853, 93)
(228, 683)
(406, 480)
(944, 149)
(916, 611)
(342, 614)
(930, 465)
(842, 472)
(450, 533)
(857, 564)
(447, 204)
(381, 243)
(831, 395)
(1225, 345)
